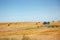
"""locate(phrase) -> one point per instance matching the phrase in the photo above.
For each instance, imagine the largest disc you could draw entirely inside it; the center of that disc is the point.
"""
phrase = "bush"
(37, 26)
(46, 22)
(13, 38)
(25, 38)
(4, 38)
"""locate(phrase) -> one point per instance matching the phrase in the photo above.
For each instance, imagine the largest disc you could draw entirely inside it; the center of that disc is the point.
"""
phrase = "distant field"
(29, 31)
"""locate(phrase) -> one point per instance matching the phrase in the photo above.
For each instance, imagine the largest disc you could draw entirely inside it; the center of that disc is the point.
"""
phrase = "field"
(29, 31)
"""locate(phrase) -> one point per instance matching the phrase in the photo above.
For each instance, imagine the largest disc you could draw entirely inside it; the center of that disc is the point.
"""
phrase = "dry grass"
(28, 31)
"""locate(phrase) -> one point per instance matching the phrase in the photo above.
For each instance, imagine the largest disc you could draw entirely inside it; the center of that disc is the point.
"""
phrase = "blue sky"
(29, 10)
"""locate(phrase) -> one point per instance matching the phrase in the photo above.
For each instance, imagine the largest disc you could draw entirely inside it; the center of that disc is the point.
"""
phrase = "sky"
(29, 10)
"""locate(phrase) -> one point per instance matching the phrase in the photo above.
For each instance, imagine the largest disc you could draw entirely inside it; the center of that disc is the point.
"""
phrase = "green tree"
(46, 22)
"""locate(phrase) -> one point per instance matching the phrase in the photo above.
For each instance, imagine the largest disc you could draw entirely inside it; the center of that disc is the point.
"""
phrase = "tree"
(46, 22)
